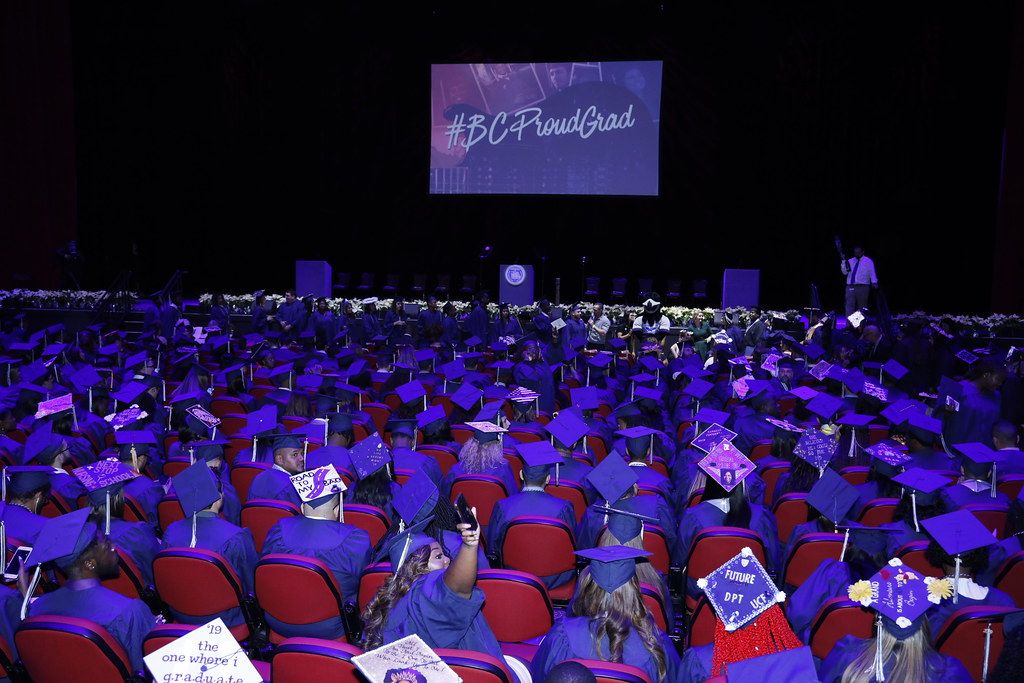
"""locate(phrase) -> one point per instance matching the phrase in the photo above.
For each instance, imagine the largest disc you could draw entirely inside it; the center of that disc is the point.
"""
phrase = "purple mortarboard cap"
(642, 377)
(958, 532)
(698, 388)
(855, 420)
(711, 436)
(804, 393)
(897, 413)
(29, 346)
(26, 478)
(62, 539)
(825, 406)
(794, 666)
(902, 597)
(740, 590)
(473, 341)
(260, 422)
(888, 453)
(978, 457)
(925, 483)
(651, 364)
(453, 371)
(875, 391)
(623, 525)
(287, 441)
(967, 357)
(207, 449)
(925, 422)
(280, 373)
(102, 477)
(126, 418)
(617, 343)
(894, 369)
(949, 388)
(108, 350)
(55, 406)
(309, 381)
(401, 427)
(612, 478)
(143, 437)
(647, 393)
(369, 455)
(567, 429)
(813, 351)
(411, 392)
(498, 347)
(130, 392)
(495, 393)
(538, 454)
(408, 542)
(84, 378)
(196, 488)
(727, 465)
(425, 355)
(820, 370)
(757, 388)
(489, 413)
(613, 565)
(472, 355)
(787, 426)
(852, 378)
(186, 399)
(739, 360)
(695, 372)
(430, 416)
(467, 396)
(600, 360)
(636, 432)
(485, 431)
(417, 498)
(816, 448)
(710, 416)
(502, 365)
(585, 398)
(357, 367)
(135, 360)
(832, 496)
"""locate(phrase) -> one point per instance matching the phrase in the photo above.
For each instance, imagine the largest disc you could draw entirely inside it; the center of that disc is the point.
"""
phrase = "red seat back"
(1010, 577)
(656, 543)
(876, 433)
(370, 581)
(370, 519)
(571, 491)
(164, 634)
(541, 546)
(379, 413)
(762, 449)
(527, 434)
(993, 517)
(913, 555)
(482, 491)
(242, 474)
(790, 510)
(444, 455)
(129, 581)
(655, 604)
(88, 653)
(597, 446)
(174, 466)
(855, 475)
(133, 510)
(198, 583)
(169, 511)
(963, 637)
(836, 618)
(476, 667)
(809, 552)
(297, 590)
(222, 406)
(1010, 484)
(300, 660)
(770, 472)
(517, 606)
(461, 433)
(878, 511)
(613, 672)
(701, 630)
(258, 516)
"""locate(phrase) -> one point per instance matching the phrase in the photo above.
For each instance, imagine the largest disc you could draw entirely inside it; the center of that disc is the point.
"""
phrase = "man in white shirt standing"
(860, 280)
(597, 328)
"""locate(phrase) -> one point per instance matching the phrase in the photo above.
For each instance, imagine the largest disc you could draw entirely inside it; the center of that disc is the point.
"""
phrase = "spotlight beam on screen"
(579, 128)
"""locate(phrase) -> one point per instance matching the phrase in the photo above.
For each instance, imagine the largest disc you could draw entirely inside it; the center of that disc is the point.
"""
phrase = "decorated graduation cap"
(816, 448)
(784, 425)
(901, 596)
(979, 461)
(740, 590)
(727, 465)
(407, 542)
(417, 498)
(369, 455)
(316, 487)
(61, 540)
(958, 532)
(57, 407)
(924, 488)
(101, 480)
(711, 436)
(832, 496)
(888, 458)
(486, 432)
(467, 396)
(566, 430)
(538, 457)
(612, 566)
(825, 406)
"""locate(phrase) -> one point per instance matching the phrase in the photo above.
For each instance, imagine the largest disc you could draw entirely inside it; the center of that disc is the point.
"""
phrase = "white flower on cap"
(895, 562)
(903, 622)
(702, 583)
(746, 551)
(780, 597)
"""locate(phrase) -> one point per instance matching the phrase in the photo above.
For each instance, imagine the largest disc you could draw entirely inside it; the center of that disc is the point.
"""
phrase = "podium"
(516, 284)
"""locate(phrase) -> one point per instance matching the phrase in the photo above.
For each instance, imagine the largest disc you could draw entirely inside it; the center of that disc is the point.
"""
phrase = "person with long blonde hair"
(607, 620)
(481, 454)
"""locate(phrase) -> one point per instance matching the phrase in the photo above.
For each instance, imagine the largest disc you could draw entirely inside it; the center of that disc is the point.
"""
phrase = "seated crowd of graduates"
(617, 442)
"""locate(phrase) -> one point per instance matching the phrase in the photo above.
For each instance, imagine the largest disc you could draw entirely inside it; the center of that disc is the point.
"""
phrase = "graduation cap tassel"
(192, 543)
(853, 441)
(988, 648)
(90, 399)
(879, 668)
(106, 515)
(3, 544)
(31, 589)
(992, 491)
(956, 579)
(135, 458)
(913, 506)
(846, 540)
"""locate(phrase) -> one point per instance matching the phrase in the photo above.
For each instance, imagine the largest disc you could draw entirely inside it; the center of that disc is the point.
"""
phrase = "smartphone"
(14, 564)
(465, 514)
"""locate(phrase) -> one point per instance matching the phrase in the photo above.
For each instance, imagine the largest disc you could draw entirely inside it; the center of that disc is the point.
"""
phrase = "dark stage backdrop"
(231, 138)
